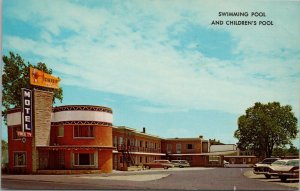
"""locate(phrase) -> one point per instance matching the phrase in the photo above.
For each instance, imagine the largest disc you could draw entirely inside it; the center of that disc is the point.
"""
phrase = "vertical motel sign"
(27, 112)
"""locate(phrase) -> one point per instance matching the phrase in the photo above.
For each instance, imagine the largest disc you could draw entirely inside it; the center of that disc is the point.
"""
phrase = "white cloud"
(131, 54)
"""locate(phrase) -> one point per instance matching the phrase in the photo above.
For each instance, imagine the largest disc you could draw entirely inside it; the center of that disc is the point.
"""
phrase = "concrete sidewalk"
(140, 177)
(76, 178)
(132, 175)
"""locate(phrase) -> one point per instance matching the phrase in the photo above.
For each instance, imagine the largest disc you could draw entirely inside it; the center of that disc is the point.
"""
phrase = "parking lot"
(292, 183)
(194, 178)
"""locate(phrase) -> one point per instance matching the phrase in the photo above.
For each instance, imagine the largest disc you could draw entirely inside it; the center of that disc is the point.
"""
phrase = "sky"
(163, 65)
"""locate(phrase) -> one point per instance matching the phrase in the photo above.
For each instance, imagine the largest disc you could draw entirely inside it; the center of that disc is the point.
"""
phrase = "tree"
(293, 150)
(279, 151)
(283, 151)
(4, 152)
(265, 126)
(16, 76)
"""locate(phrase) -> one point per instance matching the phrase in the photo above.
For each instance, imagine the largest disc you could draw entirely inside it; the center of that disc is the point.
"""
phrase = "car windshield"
(163, 161)
(279, 162)
(292, 163)
(268, 161)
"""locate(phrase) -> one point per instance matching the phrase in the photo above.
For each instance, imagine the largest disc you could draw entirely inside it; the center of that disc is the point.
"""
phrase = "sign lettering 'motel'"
(27, 109)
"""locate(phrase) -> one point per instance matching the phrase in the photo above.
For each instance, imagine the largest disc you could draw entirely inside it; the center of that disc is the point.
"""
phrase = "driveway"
(171, 179)
(294, 183)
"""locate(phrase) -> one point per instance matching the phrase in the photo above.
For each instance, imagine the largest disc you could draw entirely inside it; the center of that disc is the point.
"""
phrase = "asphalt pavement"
(171, 179)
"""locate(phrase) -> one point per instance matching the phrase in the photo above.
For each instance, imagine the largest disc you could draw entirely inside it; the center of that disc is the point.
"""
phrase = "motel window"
(121, 140)
(189, 146)
(141, 159)
(141, 143)
(115, 141)
(15, 129)
(146, 144)
(19, 159)
(155, 145)
(169, 148)
(86, 159)
(178, 148)
(83, 131)
(232, 160)
(189, 159)
(60, 132)
(214, 158)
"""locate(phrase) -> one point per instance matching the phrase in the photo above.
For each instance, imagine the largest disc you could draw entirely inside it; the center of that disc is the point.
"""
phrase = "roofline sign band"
(40, 78)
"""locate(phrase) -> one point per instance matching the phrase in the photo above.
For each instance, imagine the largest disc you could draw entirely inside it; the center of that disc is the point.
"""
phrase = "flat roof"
(135, 131)
(66, 147)
(184, 139)
(204, 154)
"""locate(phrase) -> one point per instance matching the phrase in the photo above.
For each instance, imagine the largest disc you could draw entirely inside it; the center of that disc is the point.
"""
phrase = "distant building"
(134, 148)
(223, 147)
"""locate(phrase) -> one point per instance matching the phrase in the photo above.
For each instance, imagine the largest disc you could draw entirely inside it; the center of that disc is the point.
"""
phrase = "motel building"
(73, 139)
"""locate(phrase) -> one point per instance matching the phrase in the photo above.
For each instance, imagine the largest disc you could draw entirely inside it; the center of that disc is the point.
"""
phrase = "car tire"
(180, 166)
(165, 167)
(267, 176)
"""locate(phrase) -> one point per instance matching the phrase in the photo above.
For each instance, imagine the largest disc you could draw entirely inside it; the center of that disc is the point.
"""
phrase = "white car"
(263, 166)
(226, 163)
(181, 163)
(266, 168)
(289, 170)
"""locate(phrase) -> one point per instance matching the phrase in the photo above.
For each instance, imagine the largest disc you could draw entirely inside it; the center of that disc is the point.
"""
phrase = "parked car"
(263, 166)
(289, 170)
(159, 164)
(180, 163)
(266, 168)
(226, 163)
(267, 161)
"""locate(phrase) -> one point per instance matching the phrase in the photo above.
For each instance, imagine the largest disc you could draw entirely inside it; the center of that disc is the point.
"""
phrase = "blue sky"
(160, 64)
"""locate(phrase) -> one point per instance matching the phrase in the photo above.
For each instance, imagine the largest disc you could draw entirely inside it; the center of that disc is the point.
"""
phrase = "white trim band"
(14, 119)
(98, 116)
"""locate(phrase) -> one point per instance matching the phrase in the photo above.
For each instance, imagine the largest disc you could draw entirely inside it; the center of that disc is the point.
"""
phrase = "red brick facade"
(15, 145)
(79, 138)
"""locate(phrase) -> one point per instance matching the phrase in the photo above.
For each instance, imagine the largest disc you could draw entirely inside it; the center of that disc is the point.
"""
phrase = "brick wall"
(42, 117)
(103, 136)
(196, 146)
(16, 145)
(42, 123)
